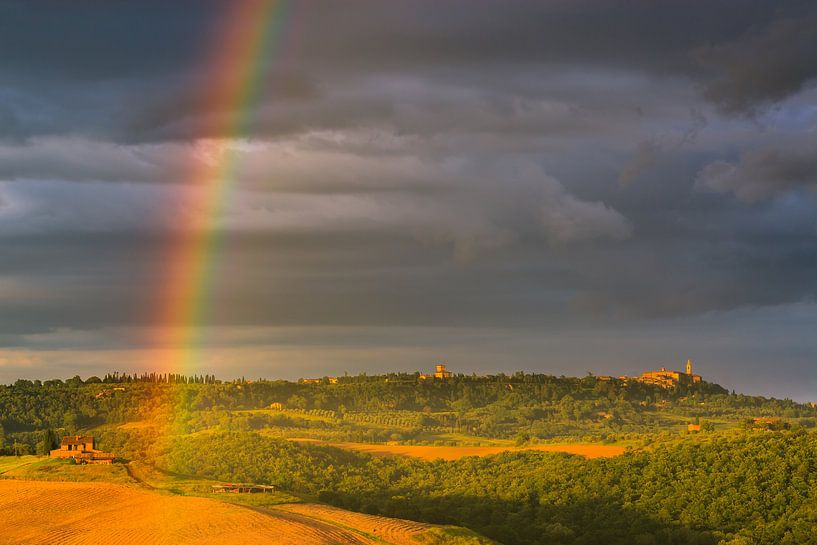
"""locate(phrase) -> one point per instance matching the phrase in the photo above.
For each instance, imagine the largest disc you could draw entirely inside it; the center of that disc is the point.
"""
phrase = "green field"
(9, 463)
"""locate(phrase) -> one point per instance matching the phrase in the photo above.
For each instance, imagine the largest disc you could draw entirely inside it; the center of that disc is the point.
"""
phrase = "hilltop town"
(663, 377)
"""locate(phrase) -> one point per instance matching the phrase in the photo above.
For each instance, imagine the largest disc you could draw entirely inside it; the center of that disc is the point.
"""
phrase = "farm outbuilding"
(242, 488)
(82, 448)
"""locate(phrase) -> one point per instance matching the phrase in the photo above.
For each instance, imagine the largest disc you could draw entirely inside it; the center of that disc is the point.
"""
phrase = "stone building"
(82, 448)
(440, 372)
(666, 378)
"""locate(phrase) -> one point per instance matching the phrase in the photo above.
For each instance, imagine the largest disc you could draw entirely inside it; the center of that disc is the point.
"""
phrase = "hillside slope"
(79, 513)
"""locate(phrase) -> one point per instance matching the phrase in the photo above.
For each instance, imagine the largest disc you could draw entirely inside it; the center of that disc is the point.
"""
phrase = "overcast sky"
(555, 186)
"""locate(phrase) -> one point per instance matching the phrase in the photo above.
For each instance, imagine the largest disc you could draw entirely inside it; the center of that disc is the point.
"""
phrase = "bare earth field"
(588, 450)
(395, 531)
(80, 513)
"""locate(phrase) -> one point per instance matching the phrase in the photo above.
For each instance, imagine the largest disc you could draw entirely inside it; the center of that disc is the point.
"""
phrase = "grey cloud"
(91, 40)
(82, 160)
(182, 108)
(486, 213)
(742, 56)
(389, 276)
(569, 219)
(416, 164)
(698, 123)
(688, 278)
(139, 72)
(765, 65)
(395, 266)
(465, 200)
(645, 156)
(11, 129)
(649, 152)
(763, 173)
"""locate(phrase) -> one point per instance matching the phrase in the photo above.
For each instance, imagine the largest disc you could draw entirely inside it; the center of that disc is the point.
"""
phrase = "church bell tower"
(689, 366)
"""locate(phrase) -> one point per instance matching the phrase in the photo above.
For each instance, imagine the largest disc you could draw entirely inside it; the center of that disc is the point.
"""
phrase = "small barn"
(242, 488)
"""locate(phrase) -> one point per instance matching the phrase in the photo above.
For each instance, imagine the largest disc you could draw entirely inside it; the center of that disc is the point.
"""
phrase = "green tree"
(20, 449)
(47, 443)
(296, 402)
(69, 422)
(522, 439)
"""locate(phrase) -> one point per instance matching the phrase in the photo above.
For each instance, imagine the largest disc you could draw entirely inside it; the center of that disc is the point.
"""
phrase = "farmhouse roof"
(77, 439)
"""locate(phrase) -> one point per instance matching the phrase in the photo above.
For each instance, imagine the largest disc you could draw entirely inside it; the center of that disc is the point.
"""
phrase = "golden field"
(588, 450)
(86, 513)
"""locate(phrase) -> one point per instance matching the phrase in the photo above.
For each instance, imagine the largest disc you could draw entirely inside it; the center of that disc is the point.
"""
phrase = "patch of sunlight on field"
(588, 450)
(389, 530)
(184, 485)
(36, 512)
(51, 469)
(452, 536)
(302, 414)
(138, 425)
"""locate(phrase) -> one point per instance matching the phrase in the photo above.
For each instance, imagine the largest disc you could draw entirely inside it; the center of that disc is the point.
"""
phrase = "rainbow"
(244, 49)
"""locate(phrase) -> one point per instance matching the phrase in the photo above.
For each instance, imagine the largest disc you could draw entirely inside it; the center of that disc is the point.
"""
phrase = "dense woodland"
(734, 485)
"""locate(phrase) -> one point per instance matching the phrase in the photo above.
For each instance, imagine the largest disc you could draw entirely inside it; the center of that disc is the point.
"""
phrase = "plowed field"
(395, 531)
(588, 450)
(63, 513)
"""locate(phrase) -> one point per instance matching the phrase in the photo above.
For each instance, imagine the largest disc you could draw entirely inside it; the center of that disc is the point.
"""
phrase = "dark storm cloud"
(696, 276)
(764, 65)
(548, 167)
(91, 282)
(137, 70)
(91, 40)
